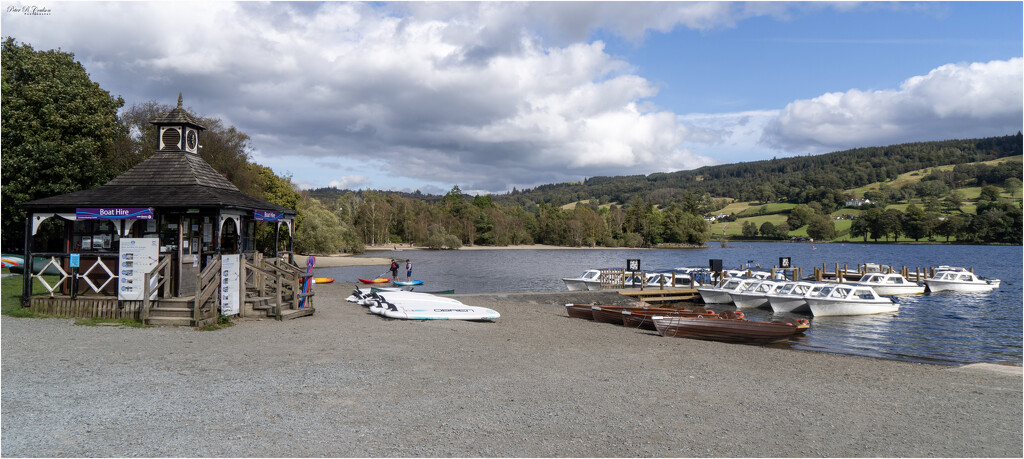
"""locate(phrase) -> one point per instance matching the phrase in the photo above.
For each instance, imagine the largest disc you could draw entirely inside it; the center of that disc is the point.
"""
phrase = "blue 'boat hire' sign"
(268, 216)
(114, 213)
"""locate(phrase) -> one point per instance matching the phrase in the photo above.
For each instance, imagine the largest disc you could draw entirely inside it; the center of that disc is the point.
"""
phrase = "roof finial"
(179, 100)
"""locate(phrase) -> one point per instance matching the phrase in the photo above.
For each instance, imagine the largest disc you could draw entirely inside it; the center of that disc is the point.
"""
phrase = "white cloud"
(951, 101)
(352, 182)
(486, 95)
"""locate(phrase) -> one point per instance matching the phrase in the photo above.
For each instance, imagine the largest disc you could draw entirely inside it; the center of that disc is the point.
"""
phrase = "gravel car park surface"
(344, 382)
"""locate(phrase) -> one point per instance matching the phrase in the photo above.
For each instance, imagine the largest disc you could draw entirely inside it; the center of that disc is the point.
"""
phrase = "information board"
(229, 284)
(137, 257)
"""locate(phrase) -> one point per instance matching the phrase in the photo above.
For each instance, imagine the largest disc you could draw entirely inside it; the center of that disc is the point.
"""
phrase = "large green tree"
(57, 125)
(821, 227)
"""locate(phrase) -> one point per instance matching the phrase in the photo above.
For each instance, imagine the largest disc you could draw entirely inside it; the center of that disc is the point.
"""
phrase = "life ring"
(802, 321)
(738, 314)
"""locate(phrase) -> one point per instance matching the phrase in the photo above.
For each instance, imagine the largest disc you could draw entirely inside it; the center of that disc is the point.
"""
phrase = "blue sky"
(491, 96)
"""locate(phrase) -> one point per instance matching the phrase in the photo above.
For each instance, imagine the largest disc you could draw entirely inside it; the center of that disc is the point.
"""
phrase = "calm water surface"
(944, 328)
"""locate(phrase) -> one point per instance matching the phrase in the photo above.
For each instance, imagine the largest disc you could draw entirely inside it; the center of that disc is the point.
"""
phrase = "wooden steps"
(175, 312)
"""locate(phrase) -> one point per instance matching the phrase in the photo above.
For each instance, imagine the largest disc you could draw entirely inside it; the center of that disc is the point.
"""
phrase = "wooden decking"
(667, 295)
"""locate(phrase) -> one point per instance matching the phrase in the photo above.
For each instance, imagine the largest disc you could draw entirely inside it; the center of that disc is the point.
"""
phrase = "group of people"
(394, 269)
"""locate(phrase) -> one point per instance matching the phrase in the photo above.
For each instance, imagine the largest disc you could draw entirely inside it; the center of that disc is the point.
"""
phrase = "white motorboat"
(849, 300)
(720, 294)
(668, 279)
(960, 280)
(890, 284)
(790, 297)
(589, 280)
(755, 295)
(697, 276)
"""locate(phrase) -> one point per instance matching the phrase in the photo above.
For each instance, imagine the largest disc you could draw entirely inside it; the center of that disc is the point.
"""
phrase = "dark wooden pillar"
(26, 276)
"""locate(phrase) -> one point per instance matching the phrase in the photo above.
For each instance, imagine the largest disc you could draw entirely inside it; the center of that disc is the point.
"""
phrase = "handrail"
(207, 284)
(277, 277)
(149, 290)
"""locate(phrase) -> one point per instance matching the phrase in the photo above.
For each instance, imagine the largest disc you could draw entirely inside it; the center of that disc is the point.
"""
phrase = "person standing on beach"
(394, 269)
(408, 270)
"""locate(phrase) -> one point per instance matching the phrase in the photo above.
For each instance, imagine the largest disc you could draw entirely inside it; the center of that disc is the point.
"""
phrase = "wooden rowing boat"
(579, 311)
(642, 319)
(729, 327)
(637, 316)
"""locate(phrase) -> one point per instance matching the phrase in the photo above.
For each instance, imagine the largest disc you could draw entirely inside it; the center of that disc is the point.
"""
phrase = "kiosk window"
(94, 236)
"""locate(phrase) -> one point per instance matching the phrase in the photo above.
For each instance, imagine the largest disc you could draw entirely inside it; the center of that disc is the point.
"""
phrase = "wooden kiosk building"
(193, 214)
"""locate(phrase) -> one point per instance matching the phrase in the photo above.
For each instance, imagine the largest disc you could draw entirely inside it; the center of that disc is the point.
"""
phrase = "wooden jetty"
(845, 274)
(666, 295)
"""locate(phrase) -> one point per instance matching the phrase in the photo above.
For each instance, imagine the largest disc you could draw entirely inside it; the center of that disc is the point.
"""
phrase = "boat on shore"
(644, 318)
(379, 280)
(632, 316)
(579, 311)
(959, 280)
(849, 300)
(729, 327)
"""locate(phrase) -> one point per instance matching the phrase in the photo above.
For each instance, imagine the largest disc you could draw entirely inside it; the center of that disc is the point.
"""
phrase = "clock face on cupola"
(179, 131)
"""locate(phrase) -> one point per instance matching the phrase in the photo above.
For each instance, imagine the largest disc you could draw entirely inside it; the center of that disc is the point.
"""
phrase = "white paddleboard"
(423, 306)
(438, 312)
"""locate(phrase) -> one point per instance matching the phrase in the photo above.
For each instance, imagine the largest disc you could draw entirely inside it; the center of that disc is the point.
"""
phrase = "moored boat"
(959, 280)
(849, 300)
(589, 280)
(755, 294)
(729, 327)
(719, 294)
(790, 297)
(890, 284)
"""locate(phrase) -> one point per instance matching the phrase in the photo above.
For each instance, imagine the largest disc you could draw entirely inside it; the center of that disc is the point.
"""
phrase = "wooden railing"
(162, 271)
(277, 277)
(207, 285)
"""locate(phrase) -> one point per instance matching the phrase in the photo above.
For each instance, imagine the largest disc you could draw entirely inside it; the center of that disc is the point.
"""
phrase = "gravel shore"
(344, 382)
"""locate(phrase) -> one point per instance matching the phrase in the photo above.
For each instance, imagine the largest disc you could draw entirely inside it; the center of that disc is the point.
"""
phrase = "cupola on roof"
(178, 116)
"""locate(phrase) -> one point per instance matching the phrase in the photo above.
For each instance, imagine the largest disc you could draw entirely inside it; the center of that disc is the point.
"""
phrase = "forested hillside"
(795, 179)
(810, 196)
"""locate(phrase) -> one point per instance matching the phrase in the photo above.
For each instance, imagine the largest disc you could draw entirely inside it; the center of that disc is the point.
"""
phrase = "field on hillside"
(778, 212)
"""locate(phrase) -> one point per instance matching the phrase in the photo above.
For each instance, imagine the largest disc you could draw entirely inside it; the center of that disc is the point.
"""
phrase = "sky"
(496, 96)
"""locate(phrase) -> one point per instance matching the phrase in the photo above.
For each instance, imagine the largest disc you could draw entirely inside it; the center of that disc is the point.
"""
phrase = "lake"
(944, 328)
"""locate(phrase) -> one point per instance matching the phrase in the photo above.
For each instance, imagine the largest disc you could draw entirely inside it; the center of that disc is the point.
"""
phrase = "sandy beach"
(344, 382)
